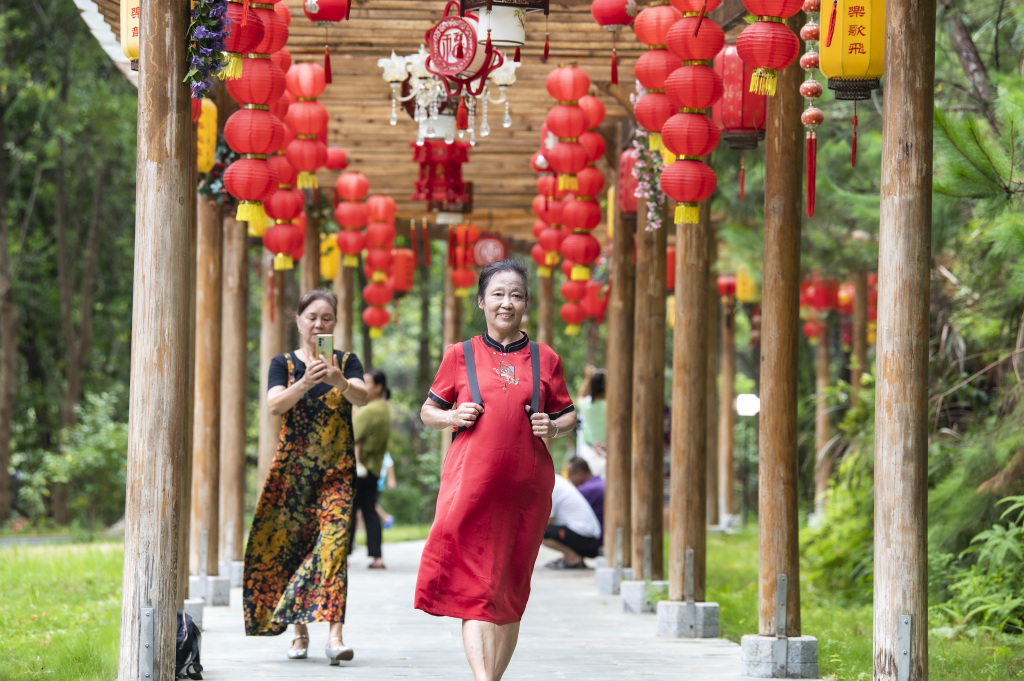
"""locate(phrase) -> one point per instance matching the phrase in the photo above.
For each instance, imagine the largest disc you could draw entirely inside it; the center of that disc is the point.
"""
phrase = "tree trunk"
(8, 337)
(159, 401)
(860, 334)
(619, 392)
(822, 425)
(451, 334)
(234, 385)
(727, 412)
(648, 397)
(711, 396)
(901, 397)
(973, 66)
(185, 526)
(310, 263)
(688, 482)
(367, 347)
(205, 500)
(426, 368)
(271, 345)
(344, 288)
(546, 311)
(777, 465)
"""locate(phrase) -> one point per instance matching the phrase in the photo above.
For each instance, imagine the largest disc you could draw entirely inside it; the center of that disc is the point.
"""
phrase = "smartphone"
(325, 346)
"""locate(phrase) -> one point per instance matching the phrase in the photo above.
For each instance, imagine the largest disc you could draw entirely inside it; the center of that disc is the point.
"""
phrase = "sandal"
(299, 653)
(338, 654)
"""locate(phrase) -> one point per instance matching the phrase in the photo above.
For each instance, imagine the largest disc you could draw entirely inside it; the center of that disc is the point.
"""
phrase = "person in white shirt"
(573, 529)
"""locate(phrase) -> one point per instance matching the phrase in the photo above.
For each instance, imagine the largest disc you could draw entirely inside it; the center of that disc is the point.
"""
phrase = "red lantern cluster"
(811, 90)
(547, 206)
(613, 16)
(572, 311)
(768, 45)
(567, 122)
(627, 183)
(595, 301)
(461, 239)
(653, 109)
(351, 214)
(307, 118)
(244, 34)
(440, 177)
(380, 239)
(818, 297)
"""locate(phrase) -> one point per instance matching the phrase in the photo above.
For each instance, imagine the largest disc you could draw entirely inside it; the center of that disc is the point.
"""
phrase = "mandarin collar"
(511, 347)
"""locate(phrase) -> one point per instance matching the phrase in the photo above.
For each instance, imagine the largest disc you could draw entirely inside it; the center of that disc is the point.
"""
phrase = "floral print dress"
(296, 568)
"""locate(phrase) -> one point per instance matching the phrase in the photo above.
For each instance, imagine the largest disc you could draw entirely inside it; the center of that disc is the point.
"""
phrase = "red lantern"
(591, 182)
(685, 47)
(306, 118)
(581, 215)
(351, 187)
(376, 318)
(286, 172)
(351, 243)
(688, 183)
(727, 286)
(377, 294)
(283, 58)
(690, 134)
(403, 266)
(379, 234)
(652, 112)
(244, 34)
(305, 80)
(573, 291)
(262, 82)
(252, 131)
(594, 109)
(551, 241)
(613, 16)
(567, 121)
(538, 227)
(693, 87)
(548, 210)
(326, 11)
(539, 163)
(582, 249)
(547, 185)
(351, 214)
(652, 25)
(595, 302)
(382, 209)
(567, 83)
(768, 45)
(275, 30)
(567, 158)
(627, 184)
(337, 158)
(594, 145)
(540, 258)
(573, 315)
(463, 278)
(283, 241)
(654, 67)
(740, 114)
(306, 154)
(285, 205)
(249, 180)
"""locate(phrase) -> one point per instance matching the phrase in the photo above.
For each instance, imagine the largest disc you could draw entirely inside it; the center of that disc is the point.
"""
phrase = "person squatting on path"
(295, 561)
(574, 529)
(496, 481)
(372, 431)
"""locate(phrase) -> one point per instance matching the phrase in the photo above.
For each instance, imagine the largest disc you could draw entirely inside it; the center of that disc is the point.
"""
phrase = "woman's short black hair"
(597, 384)
(507, 265)
(380, 379)
(317, 294)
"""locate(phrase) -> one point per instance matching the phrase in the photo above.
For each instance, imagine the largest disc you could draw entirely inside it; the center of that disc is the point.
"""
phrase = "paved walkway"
(568, 632)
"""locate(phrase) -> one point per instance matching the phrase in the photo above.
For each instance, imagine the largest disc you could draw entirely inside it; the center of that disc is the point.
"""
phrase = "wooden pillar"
(310, 263)
(271, 345)
(451, 333)
(822, 425)
(648, 395)
(159, 402)
(711, 379)
(205, 500)
(184, 528)
(901, 396)
(233, 384)
(688, 482)
(546, 310)
(619, 391)
(345, 289)
(860, 333)
(777, 465)
(727, 411)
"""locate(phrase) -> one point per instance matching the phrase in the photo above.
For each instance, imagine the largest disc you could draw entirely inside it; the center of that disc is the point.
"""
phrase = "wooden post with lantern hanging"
(272, 343)
(901, 397)
(234, 381)
(778, 538)
(648, 418)
(711, 380)
(619, 364)
(159, 402)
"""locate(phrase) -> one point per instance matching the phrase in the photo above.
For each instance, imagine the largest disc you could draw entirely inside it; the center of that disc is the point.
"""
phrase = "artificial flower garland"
(206, 35)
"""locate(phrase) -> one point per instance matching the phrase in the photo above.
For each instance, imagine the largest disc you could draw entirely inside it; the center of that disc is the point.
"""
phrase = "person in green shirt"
(372, 428)
(592, 408)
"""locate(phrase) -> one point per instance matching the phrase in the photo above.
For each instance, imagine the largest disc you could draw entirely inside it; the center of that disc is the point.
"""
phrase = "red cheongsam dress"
(496, 482)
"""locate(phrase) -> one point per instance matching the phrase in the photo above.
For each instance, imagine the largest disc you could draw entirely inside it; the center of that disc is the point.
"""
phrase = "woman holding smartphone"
(295, 561)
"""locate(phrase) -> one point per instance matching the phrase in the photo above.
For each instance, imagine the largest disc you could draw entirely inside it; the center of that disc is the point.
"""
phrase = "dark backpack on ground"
(186, 663)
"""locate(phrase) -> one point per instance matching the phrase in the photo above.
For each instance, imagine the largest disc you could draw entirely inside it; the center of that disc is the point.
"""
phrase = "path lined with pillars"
(568, 632)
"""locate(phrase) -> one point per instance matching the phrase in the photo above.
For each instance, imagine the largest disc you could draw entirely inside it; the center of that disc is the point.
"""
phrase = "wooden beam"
(206, 420)
(648, 427)
(159, 401)
(730, 14)
(901, 396)
(777, 465)
(234, 382)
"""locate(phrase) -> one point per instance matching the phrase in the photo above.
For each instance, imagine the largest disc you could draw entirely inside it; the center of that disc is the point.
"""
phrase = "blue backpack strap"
(535, 364)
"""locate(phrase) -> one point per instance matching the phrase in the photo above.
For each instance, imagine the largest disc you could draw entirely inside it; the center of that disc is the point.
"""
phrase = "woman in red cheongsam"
(495, 495)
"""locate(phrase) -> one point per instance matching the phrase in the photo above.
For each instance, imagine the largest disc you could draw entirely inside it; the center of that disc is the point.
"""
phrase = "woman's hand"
(316, 372)
(542, 425)
(334, 376)
(466, 415)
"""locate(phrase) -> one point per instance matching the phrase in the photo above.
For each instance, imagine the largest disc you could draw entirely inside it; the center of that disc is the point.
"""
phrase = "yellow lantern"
(330, 257)
(853, 48)
(130, 10)
(206, 137)
(747, 290)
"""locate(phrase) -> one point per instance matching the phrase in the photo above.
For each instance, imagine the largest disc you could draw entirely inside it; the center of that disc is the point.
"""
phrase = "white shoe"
(338, 654)
(299, 653)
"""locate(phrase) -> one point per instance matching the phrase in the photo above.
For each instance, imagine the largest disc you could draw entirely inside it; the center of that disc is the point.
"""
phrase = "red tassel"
(426, 245)
(348, 9)
(743, 173)
(831, 24)
(245, 12)
(853, 146)
(462, 115)
(700, 19)
(812, 162)
(615, 62)
(518, 58)
(488, 48)
(327, 65)
(460, 53)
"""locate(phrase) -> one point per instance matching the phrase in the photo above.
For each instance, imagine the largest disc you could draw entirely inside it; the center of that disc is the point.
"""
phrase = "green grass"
(60, 612)
(843, 631)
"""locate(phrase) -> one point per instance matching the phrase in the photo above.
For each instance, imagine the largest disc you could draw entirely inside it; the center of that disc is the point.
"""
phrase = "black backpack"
(186, 663)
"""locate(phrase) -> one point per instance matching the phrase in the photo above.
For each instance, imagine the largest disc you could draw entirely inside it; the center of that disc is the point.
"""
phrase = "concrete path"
(568, 632)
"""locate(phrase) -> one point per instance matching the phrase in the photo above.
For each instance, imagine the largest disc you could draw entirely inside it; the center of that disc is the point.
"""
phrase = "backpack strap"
(535, 364)
(474, 386)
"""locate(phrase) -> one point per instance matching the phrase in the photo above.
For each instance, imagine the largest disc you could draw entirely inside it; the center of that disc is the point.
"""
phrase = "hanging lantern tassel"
(764, 81)
(687, 213)
(853, 145)
(812, 164)
(245, 12)
(489, 47)
(462, 115)
(328, 78)
(250, 211)
(615, 62)
(518, 58)
(743, 173)
(831, 24)
(547, 40)
(700, 19)
(460, 53)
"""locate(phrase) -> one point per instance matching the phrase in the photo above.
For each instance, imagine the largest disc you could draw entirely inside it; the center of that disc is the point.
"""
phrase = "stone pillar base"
(218, 591)
(640, 597)
(194, 608)
(235, 569)
(609, 579)
(769, 657)
(196, 587)
(678, 619)
(600, 562)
